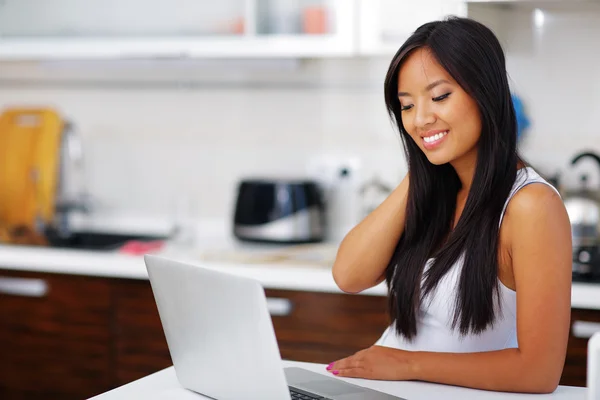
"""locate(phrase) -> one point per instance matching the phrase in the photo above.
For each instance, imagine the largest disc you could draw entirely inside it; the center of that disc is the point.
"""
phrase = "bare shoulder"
(537, 219)
(533, 202)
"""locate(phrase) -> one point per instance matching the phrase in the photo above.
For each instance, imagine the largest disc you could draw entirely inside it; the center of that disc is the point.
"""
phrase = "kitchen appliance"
(35, 153)
(583, 207)
(29, 144)
(286, 211)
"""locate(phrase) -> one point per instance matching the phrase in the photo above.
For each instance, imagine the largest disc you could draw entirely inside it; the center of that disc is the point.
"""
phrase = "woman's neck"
(465, 169)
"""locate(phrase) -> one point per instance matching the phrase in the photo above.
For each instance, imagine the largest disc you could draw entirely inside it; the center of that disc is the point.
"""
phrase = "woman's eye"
(442, 97)
(404, 108)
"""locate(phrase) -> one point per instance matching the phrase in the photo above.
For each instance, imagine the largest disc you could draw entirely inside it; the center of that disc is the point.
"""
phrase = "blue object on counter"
(522, 119)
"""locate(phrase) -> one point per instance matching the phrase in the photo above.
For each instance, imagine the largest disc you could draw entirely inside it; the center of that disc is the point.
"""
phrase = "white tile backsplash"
(150, 142)
(145, 148)
(552, 67)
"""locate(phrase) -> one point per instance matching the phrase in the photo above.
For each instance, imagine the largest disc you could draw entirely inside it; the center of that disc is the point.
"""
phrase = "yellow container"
(30, 141)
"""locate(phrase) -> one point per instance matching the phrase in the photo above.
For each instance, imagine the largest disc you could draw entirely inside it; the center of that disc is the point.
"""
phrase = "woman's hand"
(376, 362)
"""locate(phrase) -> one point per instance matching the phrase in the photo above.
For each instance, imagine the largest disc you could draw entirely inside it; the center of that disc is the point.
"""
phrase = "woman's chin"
(438, 159)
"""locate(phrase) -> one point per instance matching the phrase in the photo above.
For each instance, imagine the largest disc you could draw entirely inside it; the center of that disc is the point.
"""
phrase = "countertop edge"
(272, 275)
(116, 265)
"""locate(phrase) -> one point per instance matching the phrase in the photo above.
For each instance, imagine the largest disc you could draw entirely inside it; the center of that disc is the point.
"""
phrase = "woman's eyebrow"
(427, 88)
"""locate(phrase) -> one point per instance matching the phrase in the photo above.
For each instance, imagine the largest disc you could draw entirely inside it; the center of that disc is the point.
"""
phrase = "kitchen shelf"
(62, 35)
(232, 29)
(259, 46)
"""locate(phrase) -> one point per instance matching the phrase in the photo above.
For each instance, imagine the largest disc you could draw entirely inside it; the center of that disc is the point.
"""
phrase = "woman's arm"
(366, 250)
(541, 255)
(541, 251)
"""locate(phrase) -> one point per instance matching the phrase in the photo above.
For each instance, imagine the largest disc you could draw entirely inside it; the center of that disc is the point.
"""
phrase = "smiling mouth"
(434, 138)
(430, 142)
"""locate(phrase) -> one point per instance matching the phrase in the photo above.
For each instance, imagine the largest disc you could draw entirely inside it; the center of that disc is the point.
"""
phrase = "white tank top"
(434, 324)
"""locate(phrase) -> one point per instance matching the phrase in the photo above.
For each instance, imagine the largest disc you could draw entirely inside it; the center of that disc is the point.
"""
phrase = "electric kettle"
(583, 207)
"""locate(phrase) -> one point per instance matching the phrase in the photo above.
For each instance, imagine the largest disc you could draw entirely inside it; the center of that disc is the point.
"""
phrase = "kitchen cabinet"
(385, 24)
(55, 336)
(72, 337)
(324, 327)
(175, 29)
(584, 323)
(139, 341)
(309, 326)
(190, 29)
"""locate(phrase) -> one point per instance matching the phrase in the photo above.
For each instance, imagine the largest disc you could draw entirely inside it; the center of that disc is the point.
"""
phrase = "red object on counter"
(138, 247)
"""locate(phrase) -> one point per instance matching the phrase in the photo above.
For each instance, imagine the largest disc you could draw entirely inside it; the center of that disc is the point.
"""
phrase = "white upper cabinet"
(113, 29)
(385, 24)
(173, 29)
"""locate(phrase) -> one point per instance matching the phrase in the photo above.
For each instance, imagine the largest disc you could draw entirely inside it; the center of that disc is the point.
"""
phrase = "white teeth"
(434, 138)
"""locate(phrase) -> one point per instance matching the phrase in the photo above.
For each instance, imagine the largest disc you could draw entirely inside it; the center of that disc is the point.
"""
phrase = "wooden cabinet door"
(140, 345)
(54, 333)
(583, 325)
(309, 326)
(324, 327)
(72, 337)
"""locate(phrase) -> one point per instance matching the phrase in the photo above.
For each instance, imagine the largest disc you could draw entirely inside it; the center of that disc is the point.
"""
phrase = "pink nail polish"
(335, 372)
(329, 366)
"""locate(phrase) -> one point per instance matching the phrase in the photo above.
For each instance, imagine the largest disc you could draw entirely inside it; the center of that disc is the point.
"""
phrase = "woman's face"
(437, 113)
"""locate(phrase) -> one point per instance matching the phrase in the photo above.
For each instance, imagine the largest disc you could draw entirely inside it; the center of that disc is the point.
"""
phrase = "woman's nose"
(424, 117)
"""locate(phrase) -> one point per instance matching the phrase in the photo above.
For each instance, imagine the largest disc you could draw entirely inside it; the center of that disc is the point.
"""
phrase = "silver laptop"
(222, 341)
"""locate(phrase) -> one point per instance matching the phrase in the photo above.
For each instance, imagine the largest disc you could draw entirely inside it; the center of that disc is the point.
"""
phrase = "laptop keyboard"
(298, 394)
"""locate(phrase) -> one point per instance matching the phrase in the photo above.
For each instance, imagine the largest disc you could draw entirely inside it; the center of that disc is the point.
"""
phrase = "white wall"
(150, 142)
(553, 67)
(145, 146)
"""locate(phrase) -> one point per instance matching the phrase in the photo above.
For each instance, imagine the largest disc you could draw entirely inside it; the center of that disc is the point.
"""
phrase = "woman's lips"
(434, 141)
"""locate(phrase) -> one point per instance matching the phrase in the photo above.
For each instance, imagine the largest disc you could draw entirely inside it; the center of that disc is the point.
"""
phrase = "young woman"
(474, 245)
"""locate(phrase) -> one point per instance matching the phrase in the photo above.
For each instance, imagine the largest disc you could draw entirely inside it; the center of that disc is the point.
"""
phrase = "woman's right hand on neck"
(365, 252)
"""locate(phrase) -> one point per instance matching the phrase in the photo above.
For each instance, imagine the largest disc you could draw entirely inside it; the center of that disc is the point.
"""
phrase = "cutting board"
(310, 255)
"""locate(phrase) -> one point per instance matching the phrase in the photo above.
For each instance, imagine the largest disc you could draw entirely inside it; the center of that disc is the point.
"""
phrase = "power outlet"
(339, 178)
(329, 170)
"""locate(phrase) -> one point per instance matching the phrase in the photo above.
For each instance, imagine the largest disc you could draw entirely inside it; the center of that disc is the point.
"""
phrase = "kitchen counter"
(273, 273)
(270, 271)
(164, 384)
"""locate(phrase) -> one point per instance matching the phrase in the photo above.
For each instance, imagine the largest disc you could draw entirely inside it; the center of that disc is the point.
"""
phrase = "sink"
(97, 240)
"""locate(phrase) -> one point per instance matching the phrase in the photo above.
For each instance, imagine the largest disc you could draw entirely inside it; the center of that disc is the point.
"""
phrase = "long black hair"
(473, 56)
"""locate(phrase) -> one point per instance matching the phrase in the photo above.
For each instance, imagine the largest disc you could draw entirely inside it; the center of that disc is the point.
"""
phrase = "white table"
(164, 385)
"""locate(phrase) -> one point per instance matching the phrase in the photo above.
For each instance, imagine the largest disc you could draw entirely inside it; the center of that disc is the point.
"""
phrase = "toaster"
(279, 211)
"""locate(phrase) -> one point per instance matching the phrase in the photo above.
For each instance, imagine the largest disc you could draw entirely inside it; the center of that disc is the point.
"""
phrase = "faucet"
(71, 163)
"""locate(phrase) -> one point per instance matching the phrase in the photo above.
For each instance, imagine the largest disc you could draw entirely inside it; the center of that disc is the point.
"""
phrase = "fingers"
(348, 362)
(351, 367)
(347, 367)
(351, 373)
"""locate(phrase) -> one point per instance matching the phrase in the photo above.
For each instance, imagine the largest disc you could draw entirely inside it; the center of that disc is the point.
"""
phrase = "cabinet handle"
(279, 307)
(25, 287)
(585, 329)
